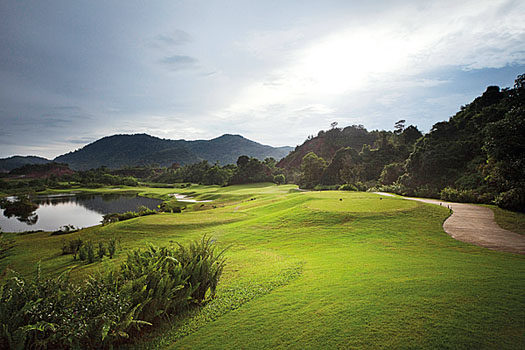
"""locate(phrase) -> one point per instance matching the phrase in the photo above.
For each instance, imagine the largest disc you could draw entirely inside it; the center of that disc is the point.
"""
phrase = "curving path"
(475, 224)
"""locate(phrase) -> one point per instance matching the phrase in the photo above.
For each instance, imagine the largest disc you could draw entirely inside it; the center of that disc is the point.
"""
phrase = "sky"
(275, 72)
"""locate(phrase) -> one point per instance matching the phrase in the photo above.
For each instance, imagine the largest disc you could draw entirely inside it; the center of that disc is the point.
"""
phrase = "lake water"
(55, 211)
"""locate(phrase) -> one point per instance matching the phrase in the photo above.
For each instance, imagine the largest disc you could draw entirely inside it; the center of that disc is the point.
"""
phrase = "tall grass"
(151, 286)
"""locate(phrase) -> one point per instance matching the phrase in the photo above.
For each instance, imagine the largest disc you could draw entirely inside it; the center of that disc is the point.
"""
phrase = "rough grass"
(509, 220)
(374, 273)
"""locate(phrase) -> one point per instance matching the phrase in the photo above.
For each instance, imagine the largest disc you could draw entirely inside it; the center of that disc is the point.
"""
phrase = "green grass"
(509, 220)
(366, 273)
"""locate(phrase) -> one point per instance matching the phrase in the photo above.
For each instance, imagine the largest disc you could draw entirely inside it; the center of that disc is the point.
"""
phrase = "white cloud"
(392, 52)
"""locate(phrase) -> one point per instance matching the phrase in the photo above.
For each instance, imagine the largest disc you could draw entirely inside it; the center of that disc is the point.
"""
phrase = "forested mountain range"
(141, 149)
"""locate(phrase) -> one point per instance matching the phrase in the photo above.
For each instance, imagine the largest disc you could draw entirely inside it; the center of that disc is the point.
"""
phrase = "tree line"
(478, 155)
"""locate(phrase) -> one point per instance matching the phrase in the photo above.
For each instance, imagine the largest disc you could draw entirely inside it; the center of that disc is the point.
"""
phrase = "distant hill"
(8, 164)
(141, 149)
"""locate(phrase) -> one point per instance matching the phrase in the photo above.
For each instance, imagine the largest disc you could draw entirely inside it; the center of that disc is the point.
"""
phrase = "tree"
(250, 170)
(399, 126)
(242, 161)
(216, 176)
(279, 179)
(270, 162)
(344, 157)
(312, 167)
(410, 135)
(333, 125)
(391, 172)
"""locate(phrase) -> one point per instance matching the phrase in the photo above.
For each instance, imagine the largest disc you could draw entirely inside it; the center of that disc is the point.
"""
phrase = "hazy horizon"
(74, 72)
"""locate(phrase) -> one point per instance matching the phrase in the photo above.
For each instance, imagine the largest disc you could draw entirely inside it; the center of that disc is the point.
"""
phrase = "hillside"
(478, 155)
(141, 149)
(8, 164)
(479, 151)
(326, 144)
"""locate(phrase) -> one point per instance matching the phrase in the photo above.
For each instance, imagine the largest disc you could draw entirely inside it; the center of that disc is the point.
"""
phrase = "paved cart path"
(475, 224)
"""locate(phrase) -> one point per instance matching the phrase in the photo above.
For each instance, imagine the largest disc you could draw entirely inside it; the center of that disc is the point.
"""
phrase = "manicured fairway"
(325, 270)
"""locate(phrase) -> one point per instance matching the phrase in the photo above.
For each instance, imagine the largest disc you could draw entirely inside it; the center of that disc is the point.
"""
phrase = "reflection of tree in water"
(22, 208)
(102, 204)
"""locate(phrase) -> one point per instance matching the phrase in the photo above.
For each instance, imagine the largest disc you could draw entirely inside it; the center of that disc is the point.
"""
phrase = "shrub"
(465, 196)
(112, 247)
(325, 187)
(115, 217)
(396, 188)
(347, 187)
(72, 247)
(170, 207)
(513, 199)
(90, 250)
(101, 250)
(109, 218)
(156, 283)
(82, 253)
(426, 191)
(152, 285)
(202, 266)
(57, 314)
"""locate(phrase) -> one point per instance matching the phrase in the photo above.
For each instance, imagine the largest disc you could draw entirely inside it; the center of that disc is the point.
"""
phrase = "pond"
(51, 212)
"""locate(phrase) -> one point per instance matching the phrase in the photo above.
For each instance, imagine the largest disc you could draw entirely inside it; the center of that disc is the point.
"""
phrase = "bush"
(170, 207)
(156, 283)
(465, 196)
(427, 192)
(396, 188)
(152, 285)
(347, 187)
(115, 217)
(90, 253)
(57, 314)
(513, 199)
(112, 247)
(82, 253)
(72, 247)
(101, 250)
(325, 187)
(202, 267)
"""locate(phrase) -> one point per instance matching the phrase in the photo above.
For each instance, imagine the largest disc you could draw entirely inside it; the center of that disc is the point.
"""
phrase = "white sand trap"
(186, 199)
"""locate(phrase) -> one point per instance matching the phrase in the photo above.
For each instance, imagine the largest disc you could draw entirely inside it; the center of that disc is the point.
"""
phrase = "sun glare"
(348, 60)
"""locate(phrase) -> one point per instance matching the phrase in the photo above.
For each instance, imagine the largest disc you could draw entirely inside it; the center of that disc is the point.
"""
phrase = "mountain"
(326, 144)
(8, 164)
(140, 149)
(227, 148)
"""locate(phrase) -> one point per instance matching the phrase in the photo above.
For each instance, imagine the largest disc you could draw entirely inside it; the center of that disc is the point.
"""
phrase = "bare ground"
(475, 224)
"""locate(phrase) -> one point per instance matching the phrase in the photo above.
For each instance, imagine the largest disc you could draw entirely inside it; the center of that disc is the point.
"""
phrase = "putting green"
(340, 201)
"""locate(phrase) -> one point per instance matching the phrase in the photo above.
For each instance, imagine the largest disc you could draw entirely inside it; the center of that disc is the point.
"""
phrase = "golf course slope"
(317, 270)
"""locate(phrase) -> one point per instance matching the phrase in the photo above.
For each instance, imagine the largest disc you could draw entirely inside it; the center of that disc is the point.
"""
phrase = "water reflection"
(53, 211)
(21, 208)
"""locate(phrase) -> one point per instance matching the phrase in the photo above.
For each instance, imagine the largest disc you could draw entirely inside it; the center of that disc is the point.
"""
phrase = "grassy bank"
(373, 273)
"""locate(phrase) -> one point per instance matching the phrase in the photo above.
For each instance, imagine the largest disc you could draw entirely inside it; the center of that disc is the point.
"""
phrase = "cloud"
(180, 62)
(176, 38)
